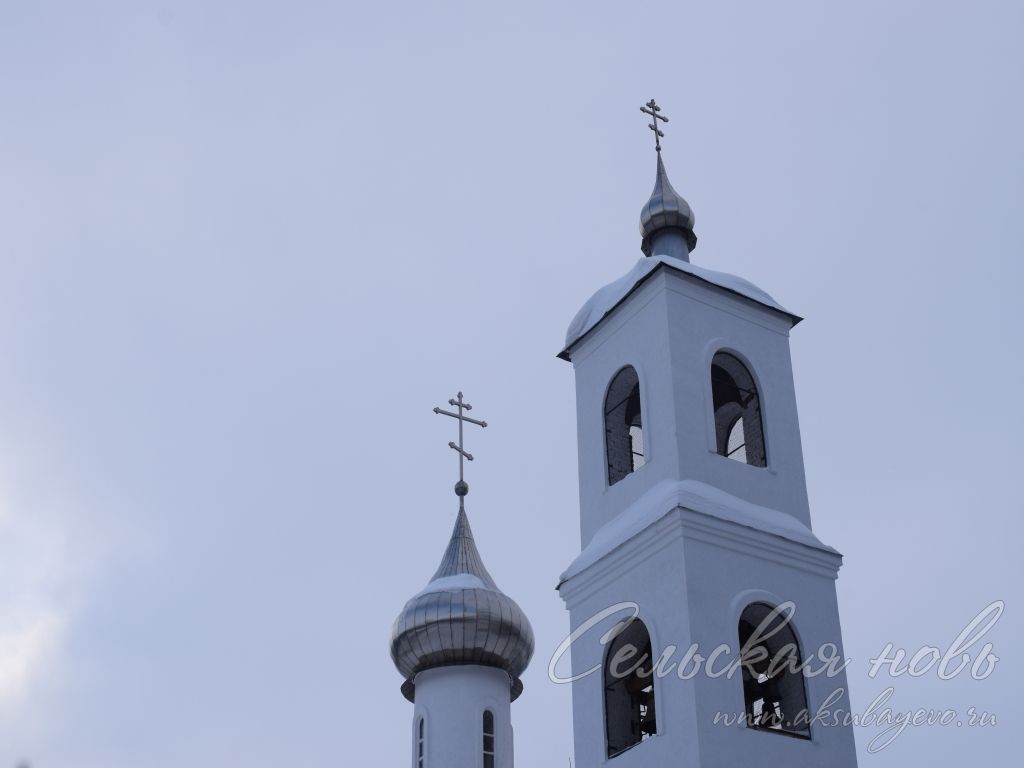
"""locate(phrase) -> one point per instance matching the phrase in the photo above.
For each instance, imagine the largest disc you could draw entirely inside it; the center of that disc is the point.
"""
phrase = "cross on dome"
(461, 487)
(653, 109)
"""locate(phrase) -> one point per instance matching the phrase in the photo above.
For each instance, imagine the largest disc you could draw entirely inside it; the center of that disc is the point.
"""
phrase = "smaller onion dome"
(666, 211)
(461, 617)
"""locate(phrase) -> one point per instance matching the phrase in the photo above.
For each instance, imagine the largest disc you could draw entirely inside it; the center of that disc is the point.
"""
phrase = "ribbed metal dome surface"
(461, 617)
(666, 208)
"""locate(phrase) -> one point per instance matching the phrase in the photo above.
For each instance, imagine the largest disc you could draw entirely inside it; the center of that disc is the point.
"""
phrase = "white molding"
(682, 523)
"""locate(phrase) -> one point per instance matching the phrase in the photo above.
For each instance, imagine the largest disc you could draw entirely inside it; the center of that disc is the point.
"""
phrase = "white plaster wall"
(610, 347)
(724, 574)
(691, 576)
(706, 320)
(452, 701)
(648, 571)
(682, 322)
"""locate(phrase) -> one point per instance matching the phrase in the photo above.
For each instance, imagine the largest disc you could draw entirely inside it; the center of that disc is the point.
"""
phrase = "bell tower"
(694, 522)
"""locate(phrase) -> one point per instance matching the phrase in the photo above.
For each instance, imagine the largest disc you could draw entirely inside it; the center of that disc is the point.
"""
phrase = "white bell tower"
(694, 520)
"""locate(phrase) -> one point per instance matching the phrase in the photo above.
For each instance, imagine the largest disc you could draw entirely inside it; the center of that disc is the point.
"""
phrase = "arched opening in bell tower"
(623, 425)
(629, 710)
(739, 434)
(773, 680)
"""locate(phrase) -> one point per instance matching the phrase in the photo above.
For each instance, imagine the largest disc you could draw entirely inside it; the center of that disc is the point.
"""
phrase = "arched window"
(623, 425)
(488, 739)
(420, 740)
(738, 431)
(773, 680)
(629, 688)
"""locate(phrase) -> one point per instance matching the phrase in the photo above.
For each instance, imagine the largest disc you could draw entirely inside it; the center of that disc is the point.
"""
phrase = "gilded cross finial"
(653, 109)
(461, 487)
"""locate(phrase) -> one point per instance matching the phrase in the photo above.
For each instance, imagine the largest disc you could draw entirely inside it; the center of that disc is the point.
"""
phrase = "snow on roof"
(455, 583)
(609, 297)
(699, 497)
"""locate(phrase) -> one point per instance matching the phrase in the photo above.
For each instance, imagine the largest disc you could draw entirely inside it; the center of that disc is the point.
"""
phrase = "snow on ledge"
(700, 497)
(454, 583)
(605, 300)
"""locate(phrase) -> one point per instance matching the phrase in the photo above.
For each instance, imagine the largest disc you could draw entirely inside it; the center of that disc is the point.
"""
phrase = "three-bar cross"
(461, 487)
(653, 109)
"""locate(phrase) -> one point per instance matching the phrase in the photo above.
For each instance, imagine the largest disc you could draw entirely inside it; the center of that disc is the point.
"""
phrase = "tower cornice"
(608, 299)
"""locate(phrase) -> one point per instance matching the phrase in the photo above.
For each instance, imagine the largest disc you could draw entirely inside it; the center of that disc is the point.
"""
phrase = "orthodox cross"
(461, 487)
(653, 109)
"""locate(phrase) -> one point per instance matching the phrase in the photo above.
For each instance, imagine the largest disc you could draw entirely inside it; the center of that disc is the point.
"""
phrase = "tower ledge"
(702, 499)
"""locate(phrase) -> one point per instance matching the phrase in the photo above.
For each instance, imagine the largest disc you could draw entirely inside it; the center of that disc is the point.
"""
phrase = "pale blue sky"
(246, 247)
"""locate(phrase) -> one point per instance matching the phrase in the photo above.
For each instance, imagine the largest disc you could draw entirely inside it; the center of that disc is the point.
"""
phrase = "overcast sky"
(246, 247)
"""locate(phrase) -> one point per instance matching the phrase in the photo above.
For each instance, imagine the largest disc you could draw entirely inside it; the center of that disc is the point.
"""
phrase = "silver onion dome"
(461, 617)
(666, 210)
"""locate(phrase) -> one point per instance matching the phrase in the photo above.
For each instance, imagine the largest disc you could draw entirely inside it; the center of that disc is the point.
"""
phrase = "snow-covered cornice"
(605, 300)
(674, 508)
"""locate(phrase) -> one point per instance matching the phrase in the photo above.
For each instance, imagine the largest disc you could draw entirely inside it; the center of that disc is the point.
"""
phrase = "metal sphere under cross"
(653, 109)
(461, 487)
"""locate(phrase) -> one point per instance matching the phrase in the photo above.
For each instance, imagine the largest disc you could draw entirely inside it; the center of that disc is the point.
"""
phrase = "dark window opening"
(488, 739)
(773, 680)
(629, 688)
(738, 430)
(623, 425)
(419, 745)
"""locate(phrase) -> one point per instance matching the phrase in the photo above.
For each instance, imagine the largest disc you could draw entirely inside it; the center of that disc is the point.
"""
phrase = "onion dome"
(668, 214)
(461, 617)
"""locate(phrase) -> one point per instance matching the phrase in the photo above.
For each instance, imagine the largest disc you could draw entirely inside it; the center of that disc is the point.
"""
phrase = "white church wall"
(728, 568)
(452, 701)
(647, 571)
(690, 576)
(682, 323)
(706, 320)
(610, 347)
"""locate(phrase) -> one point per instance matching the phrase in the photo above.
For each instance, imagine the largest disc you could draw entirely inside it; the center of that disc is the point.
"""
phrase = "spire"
(462, 556)
(666, 220)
